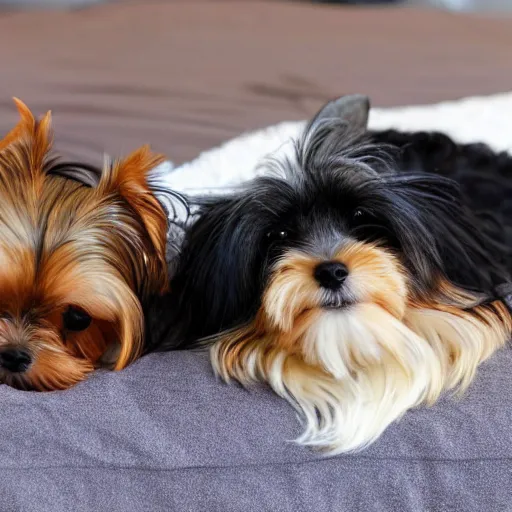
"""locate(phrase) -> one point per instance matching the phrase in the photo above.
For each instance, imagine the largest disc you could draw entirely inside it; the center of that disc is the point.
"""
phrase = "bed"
(165, 434)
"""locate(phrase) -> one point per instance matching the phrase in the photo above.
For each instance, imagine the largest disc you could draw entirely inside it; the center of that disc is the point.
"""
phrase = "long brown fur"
(100, 249)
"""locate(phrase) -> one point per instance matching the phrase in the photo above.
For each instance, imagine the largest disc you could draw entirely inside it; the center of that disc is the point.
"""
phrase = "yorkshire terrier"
(355, 282)
(81, 250)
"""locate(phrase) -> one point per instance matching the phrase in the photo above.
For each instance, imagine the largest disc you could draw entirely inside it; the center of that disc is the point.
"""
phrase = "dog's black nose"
(15, 360)
(331, 274)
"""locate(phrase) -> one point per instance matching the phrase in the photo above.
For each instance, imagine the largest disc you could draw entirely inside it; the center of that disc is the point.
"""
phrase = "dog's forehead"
(62, 213)
(325, 194)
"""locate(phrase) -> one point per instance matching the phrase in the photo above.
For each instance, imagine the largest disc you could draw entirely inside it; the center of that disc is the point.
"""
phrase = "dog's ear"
(37, 134)
(351, 109)
(337, 130)
(129, 177)
(25, 128)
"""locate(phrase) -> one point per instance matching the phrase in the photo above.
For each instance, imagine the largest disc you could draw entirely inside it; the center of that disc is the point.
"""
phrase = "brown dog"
(77, 261)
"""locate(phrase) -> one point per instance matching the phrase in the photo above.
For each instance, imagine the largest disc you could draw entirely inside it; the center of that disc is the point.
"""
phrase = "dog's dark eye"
(363, 222)
(277, 234)
(370, 228)
(76, 319)
(361, 217)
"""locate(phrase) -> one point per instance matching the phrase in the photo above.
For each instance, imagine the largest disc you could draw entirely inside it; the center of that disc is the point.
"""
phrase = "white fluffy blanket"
(477, 119)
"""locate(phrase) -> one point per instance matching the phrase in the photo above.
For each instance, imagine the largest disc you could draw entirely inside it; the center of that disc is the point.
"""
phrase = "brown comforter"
(186, 75)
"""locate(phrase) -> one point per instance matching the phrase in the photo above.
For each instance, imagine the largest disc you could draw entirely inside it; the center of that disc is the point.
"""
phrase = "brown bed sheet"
(187, 75)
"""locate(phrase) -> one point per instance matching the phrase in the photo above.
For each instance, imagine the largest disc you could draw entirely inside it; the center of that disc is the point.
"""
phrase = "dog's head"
(331, 229)
(80, 250)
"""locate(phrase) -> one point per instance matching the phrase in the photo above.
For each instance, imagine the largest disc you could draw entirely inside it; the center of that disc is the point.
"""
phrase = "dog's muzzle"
(331, 277)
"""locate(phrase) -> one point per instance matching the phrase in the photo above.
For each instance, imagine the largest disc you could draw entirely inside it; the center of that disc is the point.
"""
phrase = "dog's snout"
(331, 274)
(15, 360)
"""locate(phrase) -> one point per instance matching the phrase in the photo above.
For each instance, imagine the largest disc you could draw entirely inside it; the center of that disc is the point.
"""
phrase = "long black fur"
(484, 178)
(400, 190)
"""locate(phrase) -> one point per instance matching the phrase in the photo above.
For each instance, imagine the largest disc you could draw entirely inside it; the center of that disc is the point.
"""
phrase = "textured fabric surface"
(165, 435)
